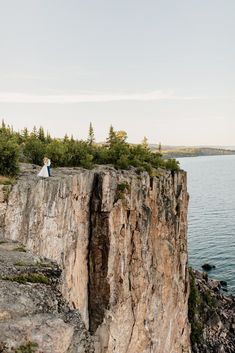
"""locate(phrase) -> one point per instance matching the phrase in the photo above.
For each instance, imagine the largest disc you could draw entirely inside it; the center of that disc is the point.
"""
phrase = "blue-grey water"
(211, 232)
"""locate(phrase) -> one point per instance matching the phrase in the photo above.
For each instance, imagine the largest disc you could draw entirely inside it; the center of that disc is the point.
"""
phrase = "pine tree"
(34, 132)
(25, 133)
(41, 134)
(91, 135)
(3, 124)
(112, 136)
(66, 138)
(160, 147)
(48, 137)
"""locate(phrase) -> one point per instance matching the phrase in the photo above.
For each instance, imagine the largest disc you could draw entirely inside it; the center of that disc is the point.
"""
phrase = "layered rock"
(121, 240)
(34, 317)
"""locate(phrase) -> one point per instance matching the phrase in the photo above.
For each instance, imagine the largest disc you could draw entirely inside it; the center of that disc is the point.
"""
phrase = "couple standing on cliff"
(45, 172)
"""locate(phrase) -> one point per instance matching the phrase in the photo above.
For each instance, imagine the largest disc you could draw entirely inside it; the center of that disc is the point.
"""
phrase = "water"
(211, 232)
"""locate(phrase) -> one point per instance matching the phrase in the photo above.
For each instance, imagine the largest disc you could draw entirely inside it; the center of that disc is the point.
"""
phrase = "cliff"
(121, 240)
(33, 314)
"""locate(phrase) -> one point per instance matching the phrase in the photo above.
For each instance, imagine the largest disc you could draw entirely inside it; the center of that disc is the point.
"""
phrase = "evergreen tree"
(112, 136)
(48, 138)
(34, 132)
(25, 133)
(91, 135)
(3, 126)
(5, 130)
(160, 147)
(66, 138)
(41, 134)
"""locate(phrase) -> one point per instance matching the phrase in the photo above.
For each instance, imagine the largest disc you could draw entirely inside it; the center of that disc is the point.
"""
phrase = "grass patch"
(20, 249)
(29, 347)
(27, 277)
(43, 265)
(122, 188)
(22, 263)
(33, 265)
(4, 180)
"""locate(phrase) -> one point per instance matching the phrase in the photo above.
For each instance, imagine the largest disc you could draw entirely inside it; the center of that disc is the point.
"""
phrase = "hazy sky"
(162, 69)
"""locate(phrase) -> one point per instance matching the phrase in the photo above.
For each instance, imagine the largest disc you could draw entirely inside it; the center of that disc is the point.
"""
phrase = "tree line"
(31, 146)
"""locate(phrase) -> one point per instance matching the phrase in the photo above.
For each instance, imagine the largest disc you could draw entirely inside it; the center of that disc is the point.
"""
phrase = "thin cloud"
(10, 97)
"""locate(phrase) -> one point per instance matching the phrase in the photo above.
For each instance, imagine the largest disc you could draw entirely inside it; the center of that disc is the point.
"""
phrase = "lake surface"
(211, 232)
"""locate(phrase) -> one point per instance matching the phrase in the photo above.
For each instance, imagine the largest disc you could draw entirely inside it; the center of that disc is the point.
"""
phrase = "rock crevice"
(98, 253)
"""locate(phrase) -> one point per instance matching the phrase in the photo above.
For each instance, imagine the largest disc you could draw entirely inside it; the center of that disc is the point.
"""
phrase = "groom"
(48, 166)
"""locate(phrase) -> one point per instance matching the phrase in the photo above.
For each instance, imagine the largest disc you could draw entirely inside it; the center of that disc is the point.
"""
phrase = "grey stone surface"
(36, 313)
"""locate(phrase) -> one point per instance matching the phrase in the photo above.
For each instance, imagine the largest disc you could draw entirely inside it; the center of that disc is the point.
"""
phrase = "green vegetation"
(193, 310)
(200, 306)
(32, 146)
(27, 277)
(33, 265)
(121, 190)
(20, 249)
(6, 180)
(29, 347)
(22, 263)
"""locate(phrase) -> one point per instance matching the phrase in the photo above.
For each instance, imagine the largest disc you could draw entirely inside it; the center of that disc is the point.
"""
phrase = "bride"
(44, 171)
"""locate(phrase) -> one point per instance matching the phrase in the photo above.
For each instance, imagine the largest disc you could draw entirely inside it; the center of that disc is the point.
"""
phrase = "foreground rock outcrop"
(34, 317)
(212, 316)
(121, 240)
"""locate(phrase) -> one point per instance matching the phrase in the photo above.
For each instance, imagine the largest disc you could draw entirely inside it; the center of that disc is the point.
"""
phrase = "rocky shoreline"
(212, 316)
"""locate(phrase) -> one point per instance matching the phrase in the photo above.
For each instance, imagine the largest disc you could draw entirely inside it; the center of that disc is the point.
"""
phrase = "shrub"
(172, 164)
(27, 277)
(122, 188)
(34, 150)
(56, 151)
(29, 347)
(20, 249)
(9, 156)
(194, 302)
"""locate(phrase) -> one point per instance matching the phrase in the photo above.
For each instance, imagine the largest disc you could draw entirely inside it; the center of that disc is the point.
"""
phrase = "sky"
(162, 69)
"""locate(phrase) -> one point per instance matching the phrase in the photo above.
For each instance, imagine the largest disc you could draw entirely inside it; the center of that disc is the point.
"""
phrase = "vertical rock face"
(121, 239)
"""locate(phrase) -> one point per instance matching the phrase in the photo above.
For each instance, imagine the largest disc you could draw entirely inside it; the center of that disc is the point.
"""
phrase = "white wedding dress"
(43, 172)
